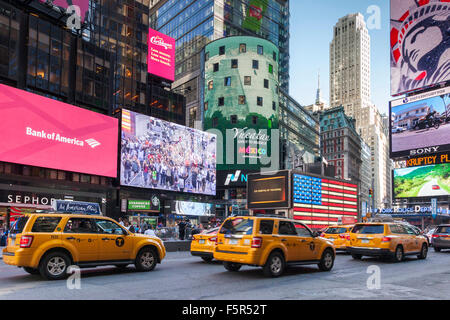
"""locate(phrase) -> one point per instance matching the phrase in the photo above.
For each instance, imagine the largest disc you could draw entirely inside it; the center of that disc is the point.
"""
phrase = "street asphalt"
(182, 276)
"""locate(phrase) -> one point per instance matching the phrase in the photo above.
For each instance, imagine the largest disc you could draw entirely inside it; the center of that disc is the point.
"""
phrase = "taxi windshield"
(237, 226)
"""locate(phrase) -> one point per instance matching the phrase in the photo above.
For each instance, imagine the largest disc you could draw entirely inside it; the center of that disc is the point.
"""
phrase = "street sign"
(434, 208)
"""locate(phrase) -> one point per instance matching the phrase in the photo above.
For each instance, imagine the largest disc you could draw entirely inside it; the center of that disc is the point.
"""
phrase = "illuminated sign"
(268, 191)
(43, 132)
(428, 160)
(161, 55)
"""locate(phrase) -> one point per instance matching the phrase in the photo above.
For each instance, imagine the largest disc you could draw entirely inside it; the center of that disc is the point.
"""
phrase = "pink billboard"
(82, 4)
(161, 55)
(43, 132)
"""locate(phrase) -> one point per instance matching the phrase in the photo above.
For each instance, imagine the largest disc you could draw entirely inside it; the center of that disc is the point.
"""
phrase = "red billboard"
(161, 55)
(43, 132)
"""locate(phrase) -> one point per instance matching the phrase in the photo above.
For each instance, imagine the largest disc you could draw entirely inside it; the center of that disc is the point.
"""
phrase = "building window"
(274, 56)
(266, 83)
(234, 63)
(255, 64)
(274, 106)
(247, 80)
(221, 101)
(259, 101)
(210, 85)
(207, 56)
(242, 48)
(270, 69)
(241, 99)
(222, 50)
(233, 119)
(216, 67)
(206, 106)
(227, 81)
(260, 50)
(215, 122)
(254, 120)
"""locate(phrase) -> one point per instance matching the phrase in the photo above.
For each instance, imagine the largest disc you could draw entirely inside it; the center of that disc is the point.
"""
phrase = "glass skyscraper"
(195, 23)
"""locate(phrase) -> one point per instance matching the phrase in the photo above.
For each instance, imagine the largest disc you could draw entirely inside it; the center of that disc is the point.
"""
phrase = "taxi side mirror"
(315, 234)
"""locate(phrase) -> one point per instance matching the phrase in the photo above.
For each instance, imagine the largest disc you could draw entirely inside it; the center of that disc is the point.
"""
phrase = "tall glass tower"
(195, 23)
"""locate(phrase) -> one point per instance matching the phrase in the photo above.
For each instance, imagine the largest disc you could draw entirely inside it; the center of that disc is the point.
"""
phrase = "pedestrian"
(181, 229)
(150, 231)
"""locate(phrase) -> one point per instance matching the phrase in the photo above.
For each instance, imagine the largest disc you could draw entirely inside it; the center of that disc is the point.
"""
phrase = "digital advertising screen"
(161, 55)
(422, 181)
(187, 208)
(158, 154)
(269, 191)
(319, 202)
(419, 44)
(421, 124)
(43, 132)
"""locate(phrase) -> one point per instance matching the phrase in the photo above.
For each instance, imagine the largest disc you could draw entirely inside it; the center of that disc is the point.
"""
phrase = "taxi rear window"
(237, 226)
(335, 230)
(368, 229)
(443, 229)
(45, 224)
(19, 225)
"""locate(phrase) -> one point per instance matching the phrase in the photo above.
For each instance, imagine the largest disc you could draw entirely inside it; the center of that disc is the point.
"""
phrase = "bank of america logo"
(92, 143)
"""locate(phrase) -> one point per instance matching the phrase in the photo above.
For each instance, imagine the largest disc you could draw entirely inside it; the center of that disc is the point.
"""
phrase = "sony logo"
(423, 151)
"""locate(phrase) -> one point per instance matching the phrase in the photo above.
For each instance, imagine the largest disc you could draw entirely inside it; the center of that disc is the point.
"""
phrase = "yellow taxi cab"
(271, 243)
(339, 235)
(49, 243)
(387, 240)
(202, 245)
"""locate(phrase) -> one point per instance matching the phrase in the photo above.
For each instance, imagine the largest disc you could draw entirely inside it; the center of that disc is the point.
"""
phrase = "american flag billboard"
(320, 202)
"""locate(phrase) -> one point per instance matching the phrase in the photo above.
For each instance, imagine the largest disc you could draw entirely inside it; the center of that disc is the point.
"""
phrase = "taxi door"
(309, 247)
(415, 245)
(114, 242)
(81, 235)
(294, 244)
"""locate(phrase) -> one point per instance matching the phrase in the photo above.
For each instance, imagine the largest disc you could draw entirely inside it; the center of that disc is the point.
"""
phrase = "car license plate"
(233, 241)
(365, 241)
(201, 241)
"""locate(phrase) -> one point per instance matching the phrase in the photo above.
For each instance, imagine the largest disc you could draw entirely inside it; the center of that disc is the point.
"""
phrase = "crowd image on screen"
(168, 156)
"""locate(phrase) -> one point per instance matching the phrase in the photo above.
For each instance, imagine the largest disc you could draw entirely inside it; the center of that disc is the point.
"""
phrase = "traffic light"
(370, 193)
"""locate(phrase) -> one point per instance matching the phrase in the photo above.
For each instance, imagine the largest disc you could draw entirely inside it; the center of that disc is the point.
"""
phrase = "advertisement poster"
(420, 44)
(421, 122)
(157, 154)
(43, 132)
(161, 55)
(424, 181)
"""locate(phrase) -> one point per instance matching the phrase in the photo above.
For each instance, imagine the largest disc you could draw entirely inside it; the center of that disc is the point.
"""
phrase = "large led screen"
(420, 44)
(424, 181)
(421, 124)
(268, 191)
(187, 208)
(43, 132)
(320, 202)
(157, 154)
(161, 55)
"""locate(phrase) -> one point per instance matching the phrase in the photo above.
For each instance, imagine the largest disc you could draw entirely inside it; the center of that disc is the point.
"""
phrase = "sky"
(311, 29)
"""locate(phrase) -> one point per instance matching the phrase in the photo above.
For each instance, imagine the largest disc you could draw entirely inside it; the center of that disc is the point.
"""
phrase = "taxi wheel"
(275, 265)
(31, 270)
(231, 266)
(207, 259)
(146, 260)
(54, 266)
(327, 260)
(398, 255)
(423, 252)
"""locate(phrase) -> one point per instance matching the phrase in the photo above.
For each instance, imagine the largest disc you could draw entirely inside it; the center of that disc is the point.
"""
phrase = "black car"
(441, 237)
